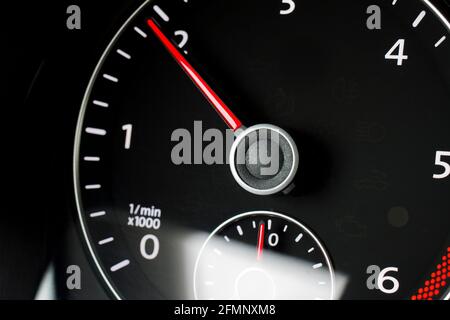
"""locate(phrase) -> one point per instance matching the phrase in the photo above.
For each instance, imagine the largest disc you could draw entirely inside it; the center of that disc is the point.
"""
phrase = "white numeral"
(383, 278)
(442, 163)
(379, 280)
(273, 239)
(290, 7)
(143, 247)
(184, 38)
(128, 128)
(400, 47)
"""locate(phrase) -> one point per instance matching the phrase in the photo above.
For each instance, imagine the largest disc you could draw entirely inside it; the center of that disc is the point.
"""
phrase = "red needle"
(260, 245)
(231, 120)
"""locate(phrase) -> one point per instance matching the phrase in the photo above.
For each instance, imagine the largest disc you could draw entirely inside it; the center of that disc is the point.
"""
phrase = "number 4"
(400, 47)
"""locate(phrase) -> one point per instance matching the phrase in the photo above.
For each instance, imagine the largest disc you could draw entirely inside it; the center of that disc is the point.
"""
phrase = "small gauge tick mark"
(120, 265)
(96, 131)
(419, 19)
(91, 159)
(161, 13)
(100, 103)
(110, 78)
(439, 42)
(124, 54)
(97, 214)
(105, 241)
(140, 32)
(93, 187)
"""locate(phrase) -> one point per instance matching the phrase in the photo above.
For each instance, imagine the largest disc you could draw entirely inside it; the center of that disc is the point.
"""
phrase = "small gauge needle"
(260, 245)
(227, 115)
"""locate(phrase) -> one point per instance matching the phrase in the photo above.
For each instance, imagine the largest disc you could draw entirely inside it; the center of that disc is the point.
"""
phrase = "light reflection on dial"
(263, 255)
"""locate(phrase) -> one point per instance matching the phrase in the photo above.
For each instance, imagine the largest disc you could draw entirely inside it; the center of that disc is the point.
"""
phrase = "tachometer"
(317, 130)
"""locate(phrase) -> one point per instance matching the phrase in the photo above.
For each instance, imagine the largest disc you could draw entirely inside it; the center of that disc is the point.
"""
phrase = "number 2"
(184, 38)
(290, 8)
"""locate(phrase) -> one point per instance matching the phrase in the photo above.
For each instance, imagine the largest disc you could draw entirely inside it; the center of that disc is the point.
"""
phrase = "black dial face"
(355, 96)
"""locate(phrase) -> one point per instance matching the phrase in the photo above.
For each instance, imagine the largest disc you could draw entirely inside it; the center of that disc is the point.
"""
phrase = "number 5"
(445, 165)
(290, 9)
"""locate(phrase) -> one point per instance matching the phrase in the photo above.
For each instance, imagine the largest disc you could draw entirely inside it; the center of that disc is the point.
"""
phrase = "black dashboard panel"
(355, 97)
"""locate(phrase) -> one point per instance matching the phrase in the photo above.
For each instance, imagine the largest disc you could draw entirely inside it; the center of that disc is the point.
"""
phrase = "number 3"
(290, 9)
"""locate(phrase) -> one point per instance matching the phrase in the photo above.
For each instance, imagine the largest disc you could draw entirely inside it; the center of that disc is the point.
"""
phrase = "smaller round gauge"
(263, 255)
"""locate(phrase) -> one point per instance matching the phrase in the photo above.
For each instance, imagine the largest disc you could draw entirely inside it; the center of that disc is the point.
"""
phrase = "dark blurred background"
(45, 69)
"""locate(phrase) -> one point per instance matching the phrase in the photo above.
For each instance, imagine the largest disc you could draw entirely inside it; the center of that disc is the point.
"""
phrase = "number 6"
(382, 278)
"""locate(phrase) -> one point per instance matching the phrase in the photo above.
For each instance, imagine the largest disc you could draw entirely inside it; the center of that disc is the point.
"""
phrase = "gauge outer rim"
(79, 129)
(76, 153)
(273, 214)
(446, 22)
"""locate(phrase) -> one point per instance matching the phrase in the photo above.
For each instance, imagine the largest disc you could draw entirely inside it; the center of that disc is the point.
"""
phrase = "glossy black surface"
(367, 131)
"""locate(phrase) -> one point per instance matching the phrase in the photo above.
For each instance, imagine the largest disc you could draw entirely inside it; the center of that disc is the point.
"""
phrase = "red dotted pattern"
(437, 281)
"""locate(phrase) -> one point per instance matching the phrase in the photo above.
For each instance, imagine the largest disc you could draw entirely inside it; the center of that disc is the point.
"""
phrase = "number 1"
(128, 128)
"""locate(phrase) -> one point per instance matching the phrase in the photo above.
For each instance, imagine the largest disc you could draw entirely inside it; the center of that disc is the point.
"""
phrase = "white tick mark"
(285, 228)
(437, 44)
(226, 239)
(317, 266)
(96, 131)
(110, 78)
(269, 224)
(100, 103)
(239, 230)
(91, 159)
(97, 214)
(311, 250)
(105, 241)
(93, 187)
(161, 13)
(419, 19)
(299, 237)
(123, 54)
(120, 265)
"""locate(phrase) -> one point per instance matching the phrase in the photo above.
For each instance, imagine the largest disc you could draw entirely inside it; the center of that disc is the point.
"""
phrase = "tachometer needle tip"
(227, 115)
